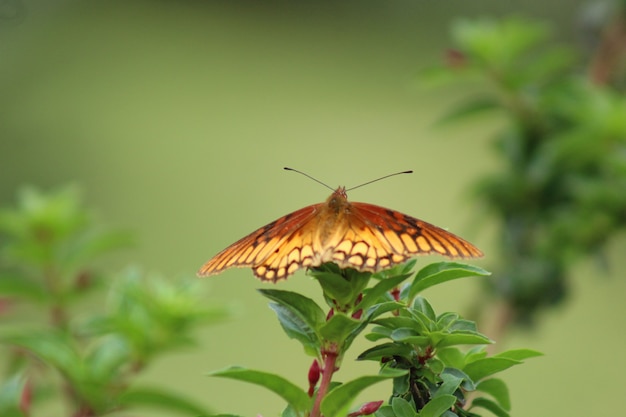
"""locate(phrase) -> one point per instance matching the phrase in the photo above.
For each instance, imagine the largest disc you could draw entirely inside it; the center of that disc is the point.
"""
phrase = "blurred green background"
(176, 118)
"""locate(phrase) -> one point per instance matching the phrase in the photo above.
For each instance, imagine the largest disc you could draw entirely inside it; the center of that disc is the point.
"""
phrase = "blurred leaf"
(11, 391)
(489, 405)
(498, 390)
(159, 399)
(290, 392)
(339, 399)
(53, 348)
(22, 288)
(518, 354)
(471, 107)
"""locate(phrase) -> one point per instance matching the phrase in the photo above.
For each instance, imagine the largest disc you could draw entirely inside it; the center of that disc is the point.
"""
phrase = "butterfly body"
(352, 235)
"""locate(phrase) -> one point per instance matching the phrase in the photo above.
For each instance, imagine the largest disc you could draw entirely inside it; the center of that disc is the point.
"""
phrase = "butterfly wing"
(274, 251)
(375, 238)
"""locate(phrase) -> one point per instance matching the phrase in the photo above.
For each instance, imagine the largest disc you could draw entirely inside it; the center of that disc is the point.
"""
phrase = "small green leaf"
(423, 306)
(482, 368)
(299, 317)
(161, 399)
(459, 338)
(518, 354)
(11, 390)
(298, 329)
(498, 390)
(338, 328)
(290, 392)
(402, 408)
(21, 287)
(441, 272)
(452, 357)
(339, 399)
(449, 386)
(472, 107)
(489, 405)
(382, 287)
(385, 411)
(385, 350)
(381, 308)
(437, 406)
(302, 306)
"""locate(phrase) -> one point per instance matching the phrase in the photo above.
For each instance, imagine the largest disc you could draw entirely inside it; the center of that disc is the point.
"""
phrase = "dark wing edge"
(409, 236)
(254, 248)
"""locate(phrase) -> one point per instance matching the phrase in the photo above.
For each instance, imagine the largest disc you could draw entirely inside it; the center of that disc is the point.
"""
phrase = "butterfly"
(350, 234)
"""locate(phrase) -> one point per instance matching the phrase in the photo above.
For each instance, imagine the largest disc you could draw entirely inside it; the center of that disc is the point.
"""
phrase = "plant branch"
(329, 368)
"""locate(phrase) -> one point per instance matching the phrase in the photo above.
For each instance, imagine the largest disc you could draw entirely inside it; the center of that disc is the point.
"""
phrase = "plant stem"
(329, 368)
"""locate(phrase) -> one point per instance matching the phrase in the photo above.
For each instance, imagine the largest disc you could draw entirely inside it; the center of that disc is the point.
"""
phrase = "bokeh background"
(176, 117)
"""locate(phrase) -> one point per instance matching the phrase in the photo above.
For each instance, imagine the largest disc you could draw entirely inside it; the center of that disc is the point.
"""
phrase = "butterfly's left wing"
(377, 238)
(274, 251)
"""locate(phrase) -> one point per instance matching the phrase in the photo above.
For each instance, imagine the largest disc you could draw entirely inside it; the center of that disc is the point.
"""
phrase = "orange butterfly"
(352, 235)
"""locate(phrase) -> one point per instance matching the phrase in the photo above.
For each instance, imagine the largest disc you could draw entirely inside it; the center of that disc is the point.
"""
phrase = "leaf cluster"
(431, 374)
(562, 145)
(58, 342)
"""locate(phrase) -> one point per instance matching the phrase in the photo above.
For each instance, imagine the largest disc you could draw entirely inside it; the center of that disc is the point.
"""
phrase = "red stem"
(330, 360)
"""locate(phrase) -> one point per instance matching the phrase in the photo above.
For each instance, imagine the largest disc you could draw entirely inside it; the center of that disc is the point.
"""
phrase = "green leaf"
(410, 336)
(11, 391)
(382, 287)
(498, 390)
(298, 329)
(338, 328)
(386, 350)
(452, 357)
(303, 307)
(441, 272)
(299, 317)
(339, 399)
(423, 306)
(482, 368)
(290, 392)
(489, 405)
(53, 348)
(161, 399)
(380, 309)
(518, 354)
(437, 406)
(442, 339)
(21, 287)
(472, 107)
(450, 384)
(402, 408)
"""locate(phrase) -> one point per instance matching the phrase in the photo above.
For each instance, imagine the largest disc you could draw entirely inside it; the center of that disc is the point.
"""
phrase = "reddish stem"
(330, 361)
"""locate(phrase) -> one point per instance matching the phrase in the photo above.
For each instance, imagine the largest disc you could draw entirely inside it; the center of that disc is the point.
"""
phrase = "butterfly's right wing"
(274, 251)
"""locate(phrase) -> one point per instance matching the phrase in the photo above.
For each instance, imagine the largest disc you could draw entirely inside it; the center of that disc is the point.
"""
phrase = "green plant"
(55, 343)
(558, 194)
(431, 375)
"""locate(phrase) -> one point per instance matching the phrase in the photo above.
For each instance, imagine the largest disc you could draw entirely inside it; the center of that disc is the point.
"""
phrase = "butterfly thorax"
(332, 217)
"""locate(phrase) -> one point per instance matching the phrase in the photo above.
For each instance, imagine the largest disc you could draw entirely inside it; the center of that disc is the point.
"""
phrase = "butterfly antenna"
(308, 176)
(381, 178)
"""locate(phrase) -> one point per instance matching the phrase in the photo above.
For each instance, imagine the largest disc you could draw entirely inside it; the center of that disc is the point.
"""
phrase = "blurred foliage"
(60, 342)
(559, 194)
(425, 355)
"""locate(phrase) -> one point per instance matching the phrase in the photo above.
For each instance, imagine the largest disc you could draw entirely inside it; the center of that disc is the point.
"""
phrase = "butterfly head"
(338, 200)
